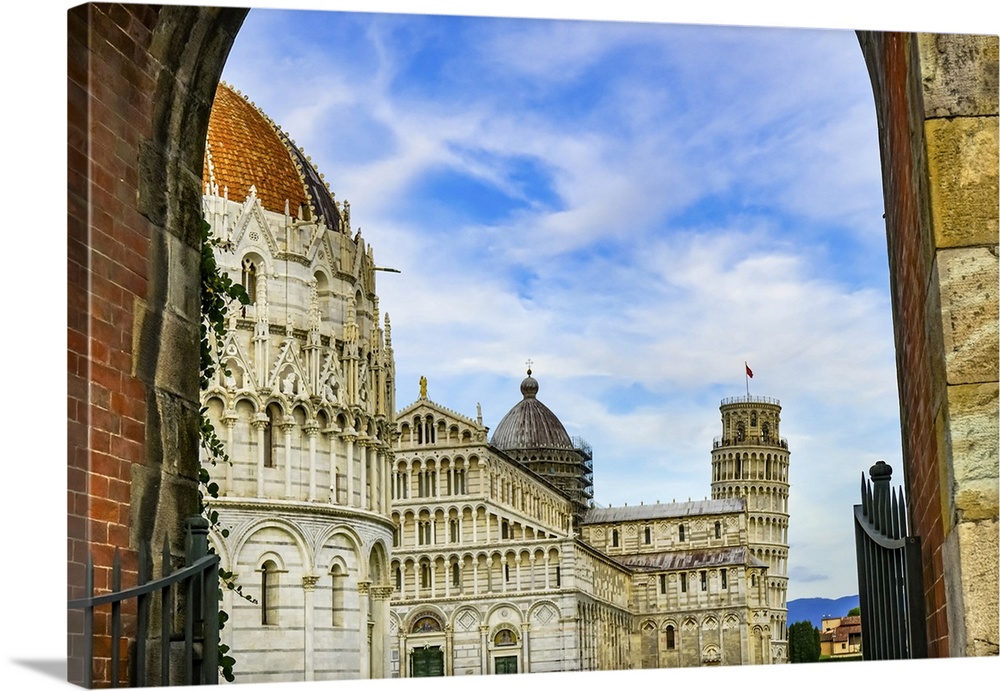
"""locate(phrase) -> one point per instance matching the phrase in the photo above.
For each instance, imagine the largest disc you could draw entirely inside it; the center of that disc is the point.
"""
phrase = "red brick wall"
(108, 248)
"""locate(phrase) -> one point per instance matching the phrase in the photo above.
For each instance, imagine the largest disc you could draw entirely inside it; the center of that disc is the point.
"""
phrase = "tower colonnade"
(751, 460)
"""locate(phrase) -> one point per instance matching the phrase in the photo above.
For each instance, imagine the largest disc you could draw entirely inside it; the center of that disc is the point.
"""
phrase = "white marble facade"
(369, 543)
(303, 402)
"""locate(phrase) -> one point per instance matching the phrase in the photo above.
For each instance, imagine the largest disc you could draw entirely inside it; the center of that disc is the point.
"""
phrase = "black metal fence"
(890, 581)
(188, 639)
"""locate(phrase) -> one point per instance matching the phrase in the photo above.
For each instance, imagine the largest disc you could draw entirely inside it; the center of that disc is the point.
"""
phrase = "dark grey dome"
(530, 424)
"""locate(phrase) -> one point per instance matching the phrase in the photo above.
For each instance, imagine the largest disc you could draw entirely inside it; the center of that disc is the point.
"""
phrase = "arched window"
(753, 418)
(427, 483)
(249, 279)
(269, 593)
(456, 575)
(648, 535)
(671, 638)
(399, 579)
(684, 582)
(680, 533)
(724, 579)
(270, 440)
(718, 529)
(741, 432)
(425, 575)
(614, 538)
(337, 577)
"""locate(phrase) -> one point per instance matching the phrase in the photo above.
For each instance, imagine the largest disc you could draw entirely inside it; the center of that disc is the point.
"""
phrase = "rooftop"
(617, 514)
(690, 559)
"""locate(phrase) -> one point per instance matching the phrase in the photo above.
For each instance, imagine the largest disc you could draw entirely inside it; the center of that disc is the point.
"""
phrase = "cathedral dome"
(245, 148)
(530, 424)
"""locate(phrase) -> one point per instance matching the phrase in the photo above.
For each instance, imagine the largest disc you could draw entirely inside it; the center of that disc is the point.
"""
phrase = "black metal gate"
(197, 588)
(890, 581)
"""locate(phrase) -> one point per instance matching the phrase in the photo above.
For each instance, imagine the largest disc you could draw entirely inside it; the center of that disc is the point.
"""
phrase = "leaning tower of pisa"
(750, 460)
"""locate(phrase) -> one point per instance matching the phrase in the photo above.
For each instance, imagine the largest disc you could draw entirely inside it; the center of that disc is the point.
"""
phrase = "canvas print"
(416, 345)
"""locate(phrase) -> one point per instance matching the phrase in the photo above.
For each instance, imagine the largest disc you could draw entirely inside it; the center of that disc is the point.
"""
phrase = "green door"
(505, 665)
(427, 662)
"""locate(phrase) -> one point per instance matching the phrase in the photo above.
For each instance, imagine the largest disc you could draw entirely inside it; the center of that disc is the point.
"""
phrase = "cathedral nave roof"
(639, 512)
(690, 559)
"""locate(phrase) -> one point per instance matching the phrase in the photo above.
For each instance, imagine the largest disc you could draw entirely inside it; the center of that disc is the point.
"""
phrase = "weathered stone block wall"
(936, 101)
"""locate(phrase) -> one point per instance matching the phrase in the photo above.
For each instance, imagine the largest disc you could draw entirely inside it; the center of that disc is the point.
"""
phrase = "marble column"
(525, 650)
(380, 607)
(364, 588)
(449, 646)
(365, 492)
(349, 440)
(312, 429)
(308, 625)
(286, 431)
(334, 499)
(260, 422)
(484, 650)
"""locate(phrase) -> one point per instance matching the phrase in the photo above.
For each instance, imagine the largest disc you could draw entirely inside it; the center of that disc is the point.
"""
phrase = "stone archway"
(140, 85)
(937, 107)
(141, 81)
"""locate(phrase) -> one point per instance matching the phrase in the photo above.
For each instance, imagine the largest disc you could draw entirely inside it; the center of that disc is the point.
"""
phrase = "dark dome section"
(320, 198)
(245, 148)
(530, 424)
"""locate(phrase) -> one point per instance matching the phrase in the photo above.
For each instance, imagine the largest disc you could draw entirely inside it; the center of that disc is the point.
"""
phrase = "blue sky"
(636, 207)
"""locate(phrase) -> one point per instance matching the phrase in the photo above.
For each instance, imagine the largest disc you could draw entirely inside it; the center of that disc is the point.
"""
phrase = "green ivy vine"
(217, 294)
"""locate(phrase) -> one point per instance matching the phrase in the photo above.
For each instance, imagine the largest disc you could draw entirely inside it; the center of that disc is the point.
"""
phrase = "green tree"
(803, 642)
(855, 612)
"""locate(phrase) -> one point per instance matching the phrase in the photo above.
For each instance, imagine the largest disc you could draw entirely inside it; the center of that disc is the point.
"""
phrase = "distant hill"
(813, 609)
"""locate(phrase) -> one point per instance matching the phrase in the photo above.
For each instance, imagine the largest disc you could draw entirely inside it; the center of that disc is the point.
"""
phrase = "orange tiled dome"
(245, 148)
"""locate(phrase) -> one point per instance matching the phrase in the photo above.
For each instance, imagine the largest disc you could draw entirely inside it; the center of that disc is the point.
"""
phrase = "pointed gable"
(287, 375)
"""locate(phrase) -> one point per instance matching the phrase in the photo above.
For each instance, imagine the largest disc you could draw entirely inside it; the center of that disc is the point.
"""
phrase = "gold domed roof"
(245, 148)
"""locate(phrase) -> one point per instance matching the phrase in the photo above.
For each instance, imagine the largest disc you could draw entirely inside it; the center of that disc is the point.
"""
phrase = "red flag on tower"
(749, 371)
